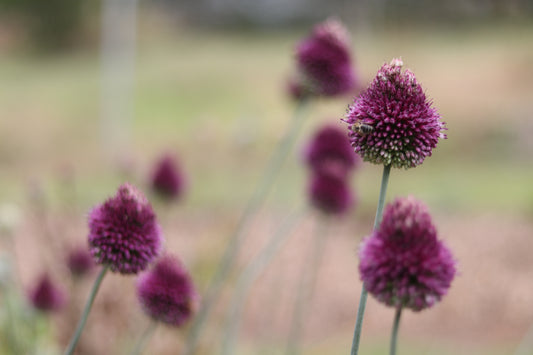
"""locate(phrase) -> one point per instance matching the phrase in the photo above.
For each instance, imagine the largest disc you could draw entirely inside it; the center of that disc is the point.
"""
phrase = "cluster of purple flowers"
(330, 159)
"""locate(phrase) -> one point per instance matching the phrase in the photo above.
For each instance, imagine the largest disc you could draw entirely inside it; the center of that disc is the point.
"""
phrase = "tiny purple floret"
(123, 232)
(405, 127)
(403, 263)
(166, 292)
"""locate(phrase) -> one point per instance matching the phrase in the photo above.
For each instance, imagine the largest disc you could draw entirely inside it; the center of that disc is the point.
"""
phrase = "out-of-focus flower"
(167, 293)
(167, 179)
(330, 149)
(46, 296)
(392, 122)
(403, 263)
(323, 62)
(123, 232)
(80, 262)
(330, 194)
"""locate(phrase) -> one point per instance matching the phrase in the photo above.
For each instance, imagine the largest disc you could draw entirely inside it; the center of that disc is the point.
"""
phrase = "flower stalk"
(81, 324)
(364, 292)
(395, 326)
(228, 259)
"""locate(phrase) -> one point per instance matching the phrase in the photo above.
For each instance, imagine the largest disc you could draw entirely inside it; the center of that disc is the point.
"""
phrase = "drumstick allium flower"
(123, 232)
(403, 264)
(330, 145)
(402, 126)
(167, 179)
(80, 261)
(330, 194)
(46, 296)
(166, 292)
(323, 62)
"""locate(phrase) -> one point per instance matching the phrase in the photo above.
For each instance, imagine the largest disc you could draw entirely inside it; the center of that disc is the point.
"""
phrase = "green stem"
(228, 259)
(364, 293)
(306, 287)
(143, 340)
(86, 310)
(395, 326)
(252, 271)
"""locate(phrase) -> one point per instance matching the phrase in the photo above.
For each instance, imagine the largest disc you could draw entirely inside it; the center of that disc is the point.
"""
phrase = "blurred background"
(94, 92)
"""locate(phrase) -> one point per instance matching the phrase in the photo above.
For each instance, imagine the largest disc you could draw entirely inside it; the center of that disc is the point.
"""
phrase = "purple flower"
(167, 179)
(392, 121)
(167, 293)
(80, 262)
(123, 232)
(46, 296)
(330, 149)
(330, 193)
(324, 62)
(403, 262)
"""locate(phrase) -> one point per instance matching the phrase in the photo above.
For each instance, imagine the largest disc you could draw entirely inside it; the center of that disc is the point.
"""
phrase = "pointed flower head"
(403, 262)
(46, 296)
(80, 262)
(329, 193)
(392, 122)
(167, 179)
(330, 149)
(167, 293)
(324, 62)
(123, 232)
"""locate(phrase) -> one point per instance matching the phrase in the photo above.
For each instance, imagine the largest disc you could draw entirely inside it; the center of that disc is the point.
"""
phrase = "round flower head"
(330, 146)
(324, 61)
(403, 262)
(167, 179)
(392, 122)
(167, 293)
(46, 296)
(80, 262)
(330, 193)
(123, 232)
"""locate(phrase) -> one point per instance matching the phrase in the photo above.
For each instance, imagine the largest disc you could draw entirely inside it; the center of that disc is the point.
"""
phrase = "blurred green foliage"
(52, 24)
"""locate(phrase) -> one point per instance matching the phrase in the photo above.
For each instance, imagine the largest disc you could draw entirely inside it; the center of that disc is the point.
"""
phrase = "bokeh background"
(92, 93)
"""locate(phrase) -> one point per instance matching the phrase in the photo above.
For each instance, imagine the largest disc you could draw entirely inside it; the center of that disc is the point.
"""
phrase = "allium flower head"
(167, 179)
(80, 262)
(46, 296)
(330, 149)
(123, 232)
(392, 122)
(403, 262)
(324, 61)
(329, 193)
(167, 293)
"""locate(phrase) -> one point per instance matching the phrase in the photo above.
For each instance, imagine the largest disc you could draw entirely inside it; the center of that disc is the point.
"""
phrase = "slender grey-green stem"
(81, 324)
(252, 271)
(364, 293)
(526, 345)
(395, 326)
(228, 259)
(145, 337)
(306, 286)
